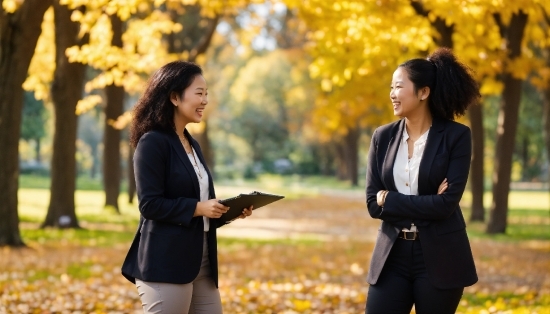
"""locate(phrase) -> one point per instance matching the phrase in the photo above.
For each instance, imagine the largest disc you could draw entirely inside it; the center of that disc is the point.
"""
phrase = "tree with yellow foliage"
(65, 92)
(19, 31)
(356, 46)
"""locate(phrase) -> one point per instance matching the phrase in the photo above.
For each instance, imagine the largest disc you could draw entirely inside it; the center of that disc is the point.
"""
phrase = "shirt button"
(407, 184)
(406, 170)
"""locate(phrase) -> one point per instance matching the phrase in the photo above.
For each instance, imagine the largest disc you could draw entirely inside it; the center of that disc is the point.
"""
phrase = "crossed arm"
(400, 209)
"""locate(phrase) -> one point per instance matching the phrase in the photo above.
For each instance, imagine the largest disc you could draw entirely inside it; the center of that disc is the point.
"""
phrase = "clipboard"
(242, 201)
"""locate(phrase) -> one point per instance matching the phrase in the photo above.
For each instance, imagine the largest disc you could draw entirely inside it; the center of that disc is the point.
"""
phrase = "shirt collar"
(420, 140)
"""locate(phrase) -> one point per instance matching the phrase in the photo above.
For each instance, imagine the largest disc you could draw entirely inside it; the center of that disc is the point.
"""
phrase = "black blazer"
(442, 230)
(169, 241)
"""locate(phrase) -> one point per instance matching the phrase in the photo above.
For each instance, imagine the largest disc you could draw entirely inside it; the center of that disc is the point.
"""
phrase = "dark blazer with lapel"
(168, 244)
(442, 230)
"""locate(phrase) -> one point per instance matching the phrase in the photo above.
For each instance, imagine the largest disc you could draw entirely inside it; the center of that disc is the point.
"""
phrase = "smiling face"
(189, 106)
(406, 102)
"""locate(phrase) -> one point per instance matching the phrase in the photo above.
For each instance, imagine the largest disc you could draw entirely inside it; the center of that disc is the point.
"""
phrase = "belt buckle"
(407, 238)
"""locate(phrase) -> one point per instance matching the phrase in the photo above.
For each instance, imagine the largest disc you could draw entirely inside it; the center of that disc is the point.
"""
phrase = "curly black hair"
(452, 86)
(154, 111)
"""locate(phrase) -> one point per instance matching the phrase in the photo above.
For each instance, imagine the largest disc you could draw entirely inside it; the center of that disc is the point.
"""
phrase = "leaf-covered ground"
(307, 255)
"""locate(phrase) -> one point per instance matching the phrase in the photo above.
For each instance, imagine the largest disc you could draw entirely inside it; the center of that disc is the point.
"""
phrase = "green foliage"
(34, 118)
(530, 146)
(257, 106)
(264, 117)
(29, 181)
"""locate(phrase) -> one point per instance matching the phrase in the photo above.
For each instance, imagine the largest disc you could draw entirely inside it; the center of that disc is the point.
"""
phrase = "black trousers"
(404, 282)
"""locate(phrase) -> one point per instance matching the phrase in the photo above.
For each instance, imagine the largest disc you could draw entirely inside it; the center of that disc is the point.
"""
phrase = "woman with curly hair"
(417, 172)
(173, 257)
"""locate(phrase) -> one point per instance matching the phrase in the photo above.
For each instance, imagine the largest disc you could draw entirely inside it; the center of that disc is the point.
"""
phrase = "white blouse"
(405, 170)
(203, 184)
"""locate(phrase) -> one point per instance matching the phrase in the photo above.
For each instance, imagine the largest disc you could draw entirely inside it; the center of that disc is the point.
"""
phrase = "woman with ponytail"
(416, 175)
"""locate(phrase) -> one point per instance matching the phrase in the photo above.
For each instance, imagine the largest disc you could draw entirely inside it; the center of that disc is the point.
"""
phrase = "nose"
(392, 94)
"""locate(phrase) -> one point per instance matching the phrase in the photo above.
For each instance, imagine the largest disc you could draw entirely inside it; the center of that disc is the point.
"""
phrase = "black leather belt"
(408, 235)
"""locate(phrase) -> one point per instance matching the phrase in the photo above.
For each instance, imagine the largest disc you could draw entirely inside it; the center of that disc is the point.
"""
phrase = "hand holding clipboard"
(238, 203)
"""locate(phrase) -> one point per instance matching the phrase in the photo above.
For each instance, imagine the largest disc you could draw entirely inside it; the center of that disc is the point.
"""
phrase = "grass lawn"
(528, 216)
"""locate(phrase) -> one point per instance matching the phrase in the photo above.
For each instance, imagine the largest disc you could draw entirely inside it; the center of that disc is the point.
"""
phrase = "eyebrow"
(201, 88)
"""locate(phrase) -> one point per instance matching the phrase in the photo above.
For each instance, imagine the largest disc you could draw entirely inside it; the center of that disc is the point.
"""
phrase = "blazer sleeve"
(375, 184)
(434, 206)
(150, 163)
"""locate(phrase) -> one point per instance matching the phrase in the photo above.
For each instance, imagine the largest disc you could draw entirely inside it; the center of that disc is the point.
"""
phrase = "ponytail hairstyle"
(452, 86)
(154, 110)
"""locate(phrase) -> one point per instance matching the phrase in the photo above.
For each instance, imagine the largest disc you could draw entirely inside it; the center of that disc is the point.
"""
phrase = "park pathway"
(331, 215)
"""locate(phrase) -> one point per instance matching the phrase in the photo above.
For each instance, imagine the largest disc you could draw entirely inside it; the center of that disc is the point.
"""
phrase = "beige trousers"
(197, 297)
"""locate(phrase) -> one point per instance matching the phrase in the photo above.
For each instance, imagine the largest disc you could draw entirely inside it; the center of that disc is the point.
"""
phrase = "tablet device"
(238, 203)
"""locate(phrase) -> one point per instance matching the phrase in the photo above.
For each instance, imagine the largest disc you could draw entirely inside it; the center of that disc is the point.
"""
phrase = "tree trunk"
(66, 91)
(351, 155)
(19, 34)
(95, 162)
(546, 121)
(524, 159)
(111, 136)
(324, 155)
(131, 175)
(476, 167)
(341, 167)
(37, 157)
(507, 126)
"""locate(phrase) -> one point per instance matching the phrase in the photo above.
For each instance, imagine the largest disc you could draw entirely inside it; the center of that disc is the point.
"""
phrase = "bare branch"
(502, 28)
(203, 44)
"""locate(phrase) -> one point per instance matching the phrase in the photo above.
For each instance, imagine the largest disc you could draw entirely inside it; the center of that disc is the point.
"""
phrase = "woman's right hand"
(442, 187)
(211, 209)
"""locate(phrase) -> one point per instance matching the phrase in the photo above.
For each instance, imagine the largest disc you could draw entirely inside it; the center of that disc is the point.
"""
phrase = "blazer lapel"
(432, 143)
(391, 154)
(185, 160)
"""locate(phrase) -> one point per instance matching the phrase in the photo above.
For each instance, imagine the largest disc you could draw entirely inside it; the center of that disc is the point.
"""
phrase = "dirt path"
(323, 217)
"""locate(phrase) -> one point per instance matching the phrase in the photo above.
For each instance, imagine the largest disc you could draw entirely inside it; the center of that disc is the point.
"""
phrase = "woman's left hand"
(246, 212)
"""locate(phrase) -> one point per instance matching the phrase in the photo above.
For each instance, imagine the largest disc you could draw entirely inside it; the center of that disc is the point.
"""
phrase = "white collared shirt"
(405, 170)
(203, 184)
